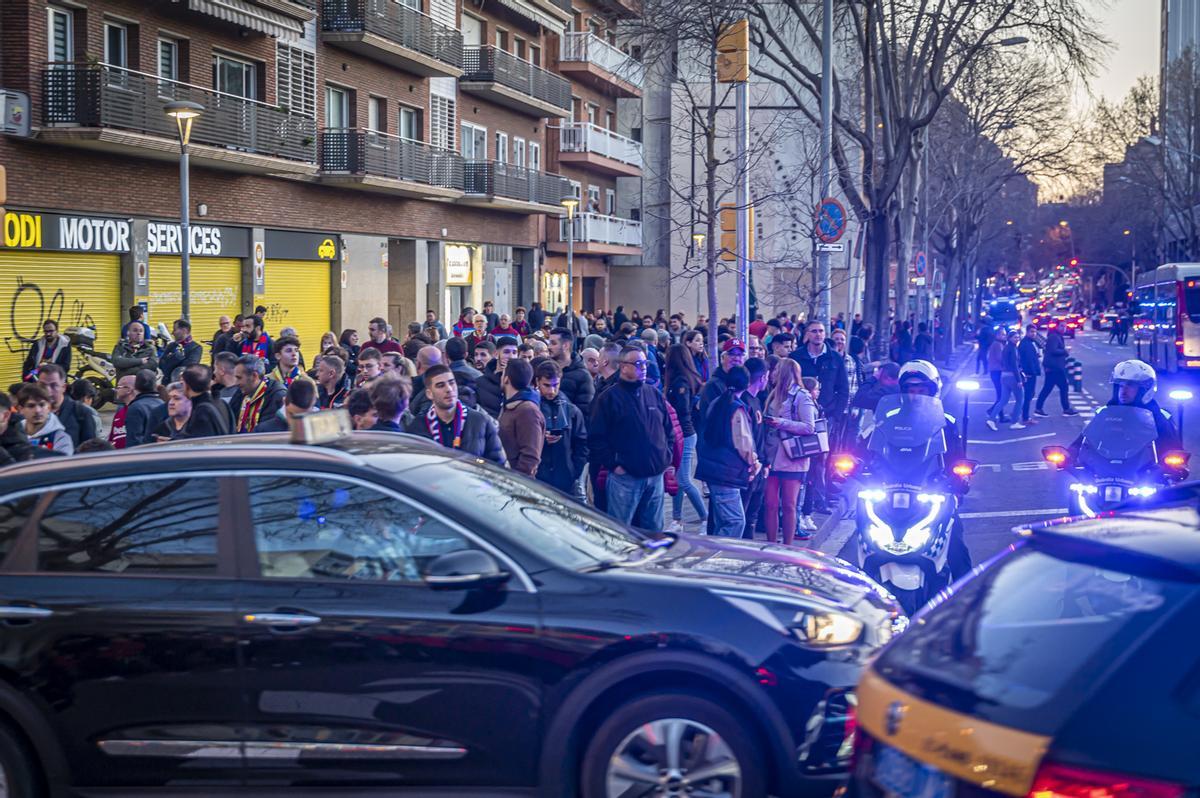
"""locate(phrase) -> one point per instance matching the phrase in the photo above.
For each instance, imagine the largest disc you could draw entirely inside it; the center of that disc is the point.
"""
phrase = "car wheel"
(17, 776)
(673, 745)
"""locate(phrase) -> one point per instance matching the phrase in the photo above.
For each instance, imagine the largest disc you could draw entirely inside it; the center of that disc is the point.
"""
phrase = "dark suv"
(384, 614)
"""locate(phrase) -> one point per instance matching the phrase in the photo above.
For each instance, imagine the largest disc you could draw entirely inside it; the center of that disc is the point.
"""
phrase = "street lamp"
(570, 202)
(185, 113)
(967, 387)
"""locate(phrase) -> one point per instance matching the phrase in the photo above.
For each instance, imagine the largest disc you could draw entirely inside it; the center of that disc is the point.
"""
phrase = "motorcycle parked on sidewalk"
(95, 367)
(907, 505)
(1117, 462)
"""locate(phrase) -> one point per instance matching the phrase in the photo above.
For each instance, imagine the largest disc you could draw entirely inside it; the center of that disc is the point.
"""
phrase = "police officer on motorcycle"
(1135, 384)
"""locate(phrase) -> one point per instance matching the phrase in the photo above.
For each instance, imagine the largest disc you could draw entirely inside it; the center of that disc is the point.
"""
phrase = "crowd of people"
(617, 410)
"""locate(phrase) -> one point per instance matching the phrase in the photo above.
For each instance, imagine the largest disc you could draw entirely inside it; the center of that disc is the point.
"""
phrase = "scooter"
(95, 367)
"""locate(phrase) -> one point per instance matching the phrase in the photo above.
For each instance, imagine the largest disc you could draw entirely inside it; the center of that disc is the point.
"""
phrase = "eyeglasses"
(637, 364)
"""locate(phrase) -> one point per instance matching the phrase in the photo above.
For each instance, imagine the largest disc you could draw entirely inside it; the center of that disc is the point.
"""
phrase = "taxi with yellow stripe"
(1066, 667)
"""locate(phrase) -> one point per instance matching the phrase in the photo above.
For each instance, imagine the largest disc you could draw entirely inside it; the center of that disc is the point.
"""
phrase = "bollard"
(1075, 374)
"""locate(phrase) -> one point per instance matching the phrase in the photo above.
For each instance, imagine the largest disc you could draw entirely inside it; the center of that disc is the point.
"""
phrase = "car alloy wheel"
(674, 757)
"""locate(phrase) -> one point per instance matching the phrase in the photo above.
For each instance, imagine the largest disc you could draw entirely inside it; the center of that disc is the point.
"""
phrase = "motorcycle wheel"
(105, 392)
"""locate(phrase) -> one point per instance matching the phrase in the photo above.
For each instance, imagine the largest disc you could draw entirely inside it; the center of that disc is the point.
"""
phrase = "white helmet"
(923, 371)
(1136, 372)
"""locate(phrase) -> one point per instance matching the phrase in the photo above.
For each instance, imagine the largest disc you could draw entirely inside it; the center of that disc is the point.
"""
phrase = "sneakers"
(675, 527)
(992, 425)
(1018, 425)
(802, 535)
(1070, 411)
(807, 523)
(1041, 412)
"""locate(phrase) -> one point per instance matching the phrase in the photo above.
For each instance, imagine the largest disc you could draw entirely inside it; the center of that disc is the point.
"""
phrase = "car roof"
(1164, 538)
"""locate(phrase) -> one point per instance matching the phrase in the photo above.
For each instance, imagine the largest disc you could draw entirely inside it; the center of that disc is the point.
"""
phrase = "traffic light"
(729, 233)
(733, 52)
(1074, 261)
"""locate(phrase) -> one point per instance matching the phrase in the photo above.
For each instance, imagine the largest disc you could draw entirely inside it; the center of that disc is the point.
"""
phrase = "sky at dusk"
(1133, 27)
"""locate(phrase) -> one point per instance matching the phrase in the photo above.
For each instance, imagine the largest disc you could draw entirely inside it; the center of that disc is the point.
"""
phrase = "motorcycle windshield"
(1119, 432)
(908, 429)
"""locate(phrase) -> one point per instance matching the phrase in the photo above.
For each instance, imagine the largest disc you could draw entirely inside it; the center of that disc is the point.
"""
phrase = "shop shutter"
(216, 291)
(71, 288)
(298, 295)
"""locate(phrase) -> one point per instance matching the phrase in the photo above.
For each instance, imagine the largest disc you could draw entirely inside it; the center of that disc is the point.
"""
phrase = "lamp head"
(570, 202)
(184, 112)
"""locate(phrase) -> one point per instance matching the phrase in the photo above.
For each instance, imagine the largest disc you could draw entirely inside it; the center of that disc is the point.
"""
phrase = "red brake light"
(1060, 781)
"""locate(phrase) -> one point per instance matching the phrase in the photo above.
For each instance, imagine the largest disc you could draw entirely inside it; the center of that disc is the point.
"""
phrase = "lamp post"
(185, 113)
(570, 202)
(967, 387)
(1132, 262)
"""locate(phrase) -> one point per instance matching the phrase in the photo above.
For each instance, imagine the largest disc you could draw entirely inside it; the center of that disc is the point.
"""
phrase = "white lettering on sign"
(83, 234)
(164, 239)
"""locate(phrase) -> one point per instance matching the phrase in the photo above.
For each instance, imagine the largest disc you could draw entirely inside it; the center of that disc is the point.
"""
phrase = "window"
(474, 142)
(610, 120)
(168, 59)
(577, 109)
(61, 38)
(116, 45)
(576, 190)
(535, 55)
(317, 528)
(501, 39)
(535, 156)
(150, 527)
(519, 47)
(410, 124)
(296, 79)
(501, 147)
(519, 152)
(239, 78)
(593, 205)
(593, 113)
(337, 108)
(594, 27)
(442, 122)
(610, 202)
(376, 115)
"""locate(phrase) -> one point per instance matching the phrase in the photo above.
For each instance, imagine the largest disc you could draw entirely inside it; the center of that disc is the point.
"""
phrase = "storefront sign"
(207, 240)
(458, 264)
(294, 245)
(64, 233)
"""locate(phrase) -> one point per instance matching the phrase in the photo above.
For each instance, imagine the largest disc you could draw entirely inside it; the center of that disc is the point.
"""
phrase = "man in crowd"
(301, 399)
(728, 460)
(220, 339)
(489, 313)
(14, 443)
(427, 357)
(1029, 355)
(125, 393)
(287, 358)
(526, 352)
(456, 355)
(522, 426)
(43, 429)
(225, 375)
(333, 386)
(432, 323)
(489, 392)
(631, 435)
(854, 369)
(136, 315)
(253, 340)
(591, 361)
(370, 366)
(259, 397)
(609, 370)
(479, 334)
(180, 353)
(566, 449)
(134, 353)
(576, 381)
(818, 359)
(145, 411)
(451, 423)
(209, 416)
(755, 348)
(481, 355)
(358, 405)
(379, 340)
(1054, 362)
(78, 423)
(733, 355)
(50, 348)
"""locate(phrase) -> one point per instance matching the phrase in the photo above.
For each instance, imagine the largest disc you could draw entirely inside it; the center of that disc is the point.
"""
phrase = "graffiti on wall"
(29, 307)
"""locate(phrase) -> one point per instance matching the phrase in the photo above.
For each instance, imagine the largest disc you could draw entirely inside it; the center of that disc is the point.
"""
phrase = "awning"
(529, 11)
(247, 15)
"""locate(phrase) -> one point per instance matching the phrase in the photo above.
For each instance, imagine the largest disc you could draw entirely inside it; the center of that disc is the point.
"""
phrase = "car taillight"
(1061, 781)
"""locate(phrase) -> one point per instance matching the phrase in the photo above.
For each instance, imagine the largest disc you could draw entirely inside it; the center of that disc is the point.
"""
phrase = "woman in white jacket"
(790, 412)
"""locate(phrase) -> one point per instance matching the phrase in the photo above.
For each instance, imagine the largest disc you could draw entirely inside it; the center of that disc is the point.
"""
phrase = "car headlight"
(812, 625)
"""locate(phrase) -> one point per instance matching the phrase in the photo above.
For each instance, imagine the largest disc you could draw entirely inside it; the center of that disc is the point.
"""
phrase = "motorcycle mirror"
(1055, 455)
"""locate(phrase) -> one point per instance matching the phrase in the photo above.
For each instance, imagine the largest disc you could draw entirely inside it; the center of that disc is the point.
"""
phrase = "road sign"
(838, 247)
(831, 220)
(919, 281)
(920, 264)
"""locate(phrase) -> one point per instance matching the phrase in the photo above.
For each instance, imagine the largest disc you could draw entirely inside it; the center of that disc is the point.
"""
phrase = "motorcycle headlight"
(1143, 491)
(812, 625)
(915, 536)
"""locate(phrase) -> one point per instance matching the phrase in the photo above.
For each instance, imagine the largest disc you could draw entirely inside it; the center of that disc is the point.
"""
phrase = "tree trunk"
(947, 313)
(906, 225)
(875, 275)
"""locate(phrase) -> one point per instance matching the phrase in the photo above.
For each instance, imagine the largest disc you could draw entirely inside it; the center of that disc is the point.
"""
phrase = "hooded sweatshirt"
(53, 437)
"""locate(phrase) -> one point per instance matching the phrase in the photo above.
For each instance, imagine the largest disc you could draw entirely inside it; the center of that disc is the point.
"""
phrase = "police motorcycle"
(907, 504)
(1117, 460)
(93, 366)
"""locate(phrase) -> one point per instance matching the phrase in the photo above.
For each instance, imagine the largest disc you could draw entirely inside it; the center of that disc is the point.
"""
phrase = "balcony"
(503, 186)
(373, 161)
(394, 34)
(515, 83)
(589, 59)
(552, 15)
(597, 234)
(119, 110)
(595, 148)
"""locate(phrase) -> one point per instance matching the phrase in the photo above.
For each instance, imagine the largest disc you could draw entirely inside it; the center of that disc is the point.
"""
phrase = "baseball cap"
(733, 343)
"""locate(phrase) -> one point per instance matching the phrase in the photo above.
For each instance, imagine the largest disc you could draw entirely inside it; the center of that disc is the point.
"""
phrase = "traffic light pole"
(742, 134)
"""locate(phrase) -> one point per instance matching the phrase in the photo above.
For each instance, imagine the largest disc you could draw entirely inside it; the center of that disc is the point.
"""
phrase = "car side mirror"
(464, 570)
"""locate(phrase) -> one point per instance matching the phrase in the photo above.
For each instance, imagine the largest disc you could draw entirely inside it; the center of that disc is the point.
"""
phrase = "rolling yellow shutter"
(216, 290)
(71, 288)
(298, 295)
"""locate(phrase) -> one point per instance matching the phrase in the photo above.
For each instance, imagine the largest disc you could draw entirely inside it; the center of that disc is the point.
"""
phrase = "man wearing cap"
(733, 354)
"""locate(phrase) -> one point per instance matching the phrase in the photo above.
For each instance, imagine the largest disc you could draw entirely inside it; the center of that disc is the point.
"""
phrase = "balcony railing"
(112, 97)
(586, 137)
(596, 228)
(592, 49)
(368, 152)
(496, 179)
(486, 63)
(397, 23)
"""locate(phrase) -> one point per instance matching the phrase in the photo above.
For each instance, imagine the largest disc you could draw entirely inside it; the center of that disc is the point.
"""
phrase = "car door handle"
(11, 612)
(281, 619)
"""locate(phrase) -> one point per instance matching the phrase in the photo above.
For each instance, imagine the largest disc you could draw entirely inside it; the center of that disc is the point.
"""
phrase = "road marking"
(1014, 440)
(1003, 513)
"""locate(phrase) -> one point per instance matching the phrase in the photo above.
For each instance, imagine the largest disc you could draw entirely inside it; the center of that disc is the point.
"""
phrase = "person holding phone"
(565, 452)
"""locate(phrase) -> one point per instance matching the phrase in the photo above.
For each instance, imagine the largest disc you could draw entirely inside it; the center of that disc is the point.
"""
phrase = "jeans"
(1010, 385)
(1054, 378)
(729, 518)
(1030, 387)
(636, 500)
(683, 475)
(814, 491)
(995, 375)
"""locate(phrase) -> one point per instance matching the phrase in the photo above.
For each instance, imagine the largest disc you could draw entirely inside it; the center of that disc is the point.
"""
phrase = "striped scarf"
(251, 407)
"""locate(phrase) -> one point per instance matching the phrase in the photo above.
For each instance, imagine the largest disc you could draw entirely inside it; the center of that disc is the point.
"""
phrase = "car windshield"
(1017, 634)
(534, 515)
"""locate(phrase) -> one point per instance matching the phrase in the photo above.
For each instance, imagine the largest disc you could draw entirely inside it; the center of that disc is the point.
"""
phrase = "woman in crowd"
(683, 383)
(349, 341)
(179, 410)
(791, 411)
(812, 389)
(694, 341)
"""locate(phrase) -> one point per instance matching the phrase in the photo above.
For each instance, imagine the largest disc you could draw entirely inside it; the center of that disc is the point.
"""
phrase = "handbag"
(801, 446)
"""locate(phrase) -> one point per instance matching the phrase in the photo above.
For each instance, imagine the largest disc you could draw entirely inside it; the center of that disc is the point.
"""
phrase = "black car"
(1068, 666)
(380, 613)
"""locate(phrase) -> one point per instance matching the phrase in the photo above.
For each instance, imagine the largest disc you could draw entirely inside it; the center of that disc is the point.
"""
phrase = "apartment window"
(610, 202)
(576, 21)
(594, 27)
(296, 80)
(610, 120)
(519, 47)
(168, 59)
(236, 77)
(501, 39)
(415, 5)
(535, 156)
(519, 152)
(116, 53)
(576, 190)
(593, 203)
(502, 147)
(410, 124)
(577, 109)
(337, 108)
(535, 55)
(376, 115)
(442, 122)
(474, 142)
(61, 39)
(593, 112)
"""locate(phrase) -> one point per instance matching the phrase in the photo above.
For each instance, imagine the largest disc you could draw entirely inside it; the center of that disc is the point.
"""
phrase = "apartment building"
(354, 158)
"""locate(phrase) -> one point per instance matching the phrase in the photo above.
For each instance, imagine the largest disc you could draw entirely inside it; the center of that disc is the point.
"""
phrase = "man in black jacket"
(818, 359)
(210, 416)
(576, 380)
(145, 412)
(1029, 355)
(451, 423)
(1055, 362)
(50, 348)
(733, 355)
(566, 449)
(631, 435)
(258, 398)
(78, 423)
(488, 392)
(180, 353)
